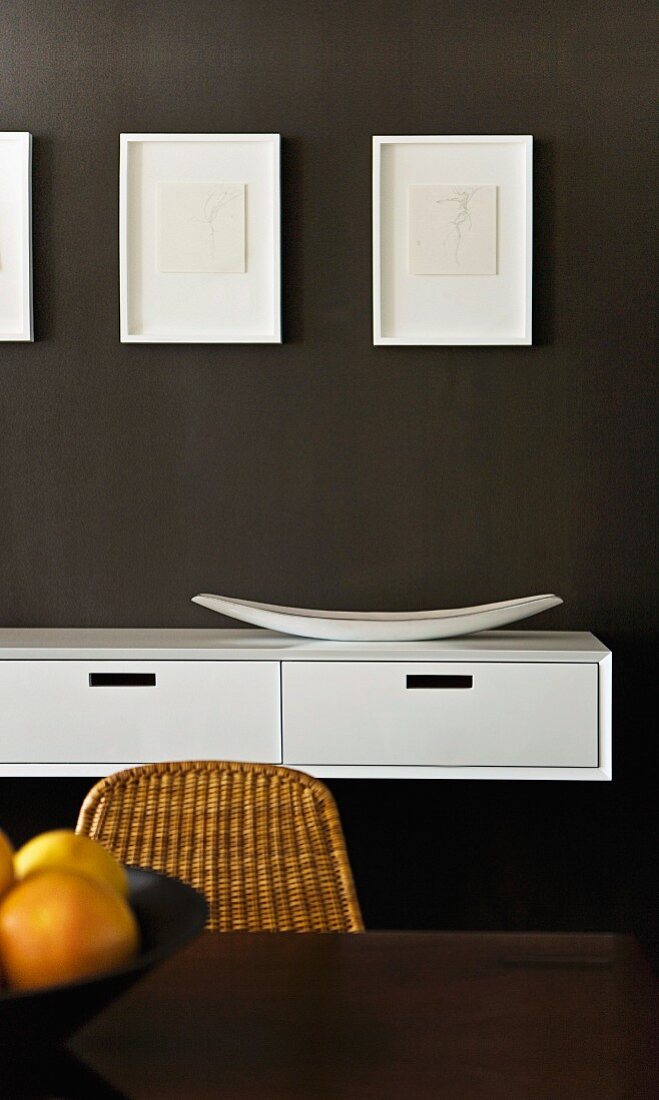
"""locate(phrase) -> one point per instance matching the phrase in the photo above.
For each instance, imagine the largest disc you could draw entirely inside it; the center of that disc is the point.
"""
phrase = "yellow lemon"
(58, 926)
(64, 850)
(6, 863)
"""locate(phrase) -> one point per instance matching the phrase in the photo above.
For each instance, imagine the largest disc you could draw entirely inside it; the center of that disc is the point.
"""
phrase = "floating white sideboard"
(496, 705)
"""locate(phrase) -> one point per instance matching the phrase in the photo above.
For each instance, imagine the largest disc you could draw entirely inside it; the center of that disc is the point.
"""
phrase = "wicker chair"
(263, 843)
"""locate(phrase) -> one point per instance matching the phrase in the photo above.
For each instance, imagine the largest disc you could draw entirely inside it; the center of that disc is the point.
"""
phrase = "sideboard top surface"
(80, 644)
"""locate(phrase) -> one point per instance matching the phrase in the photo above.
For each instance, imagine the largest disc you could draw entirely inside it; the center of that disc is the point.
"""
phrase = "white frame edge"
(26, 333)
(123, 230)
(377, 242)
(126, 337)
(454, 139)
(28, 306)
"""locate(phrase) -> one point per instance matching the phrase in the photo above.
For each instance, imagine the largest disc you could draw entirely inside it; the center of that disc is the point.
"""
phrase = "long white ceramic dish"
(377, 626)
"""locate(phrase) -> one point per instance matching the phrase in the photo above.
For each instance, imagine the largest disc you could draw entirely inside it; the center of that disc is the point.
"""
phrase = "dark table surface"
(378, 1015)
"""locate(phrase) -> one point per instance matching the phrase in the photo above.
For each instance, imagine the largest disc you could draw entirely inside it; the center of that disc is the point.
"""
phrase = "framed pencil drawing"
(452, 239)
(199, 247)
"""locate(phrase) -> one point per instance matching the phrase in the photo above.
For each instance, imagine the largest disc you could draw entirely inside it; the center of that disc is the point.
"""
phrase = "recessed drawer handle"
(122, 679)
(440, 681)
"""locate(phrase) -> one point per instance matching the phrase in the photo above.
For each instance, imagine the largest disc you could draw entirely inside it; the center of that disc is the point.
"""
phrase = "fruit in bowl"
(76, 930)
(64, 913)
(65, 850)
(58, 926)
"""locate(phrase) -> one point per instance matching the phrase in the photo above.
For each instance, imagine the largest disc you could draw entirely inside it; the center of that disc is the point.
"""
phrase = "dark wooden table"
(402, 1015)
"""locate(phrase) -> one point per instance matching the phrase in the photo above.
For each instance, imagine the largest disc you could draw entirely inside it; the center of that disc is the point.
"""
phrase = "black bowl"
(169, 914)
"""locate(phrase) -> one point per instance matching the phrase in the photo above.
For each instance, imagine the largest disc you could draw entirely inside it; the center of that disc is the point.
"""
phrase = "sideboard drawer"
(134, 711)
(445, 714)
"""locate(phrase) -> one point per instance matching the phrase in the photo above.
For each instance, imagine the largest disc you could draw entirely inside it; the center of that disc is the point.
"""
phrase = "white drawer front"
(195, 709)
(515, 715)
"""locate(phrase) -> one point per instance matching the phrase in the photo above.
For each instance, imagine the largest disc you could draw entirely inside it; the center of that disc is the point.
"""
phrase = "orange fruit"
(6, 863)
(58, 926)
(64, 850)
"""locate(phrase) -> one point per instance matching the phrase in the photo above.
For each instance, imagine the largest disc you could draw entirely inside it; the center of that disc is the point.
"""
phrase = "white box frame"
(452, 309)
(16, 245)
(188, 311)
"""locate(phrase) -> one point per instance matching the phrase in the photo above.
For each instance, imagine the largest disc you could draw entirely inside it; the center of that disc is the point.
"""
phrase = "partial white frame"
(24, 278)
(129, 337)
(439, 338)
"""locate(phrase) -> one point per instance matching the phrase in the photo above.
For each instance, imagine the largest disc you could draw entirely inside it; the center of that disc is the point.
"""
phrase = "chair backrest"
(263, 843)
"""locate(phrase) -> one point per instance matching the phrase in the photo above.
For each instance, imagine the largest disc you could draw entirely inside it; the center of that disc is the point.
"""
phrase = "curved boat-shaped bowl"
(377, 626)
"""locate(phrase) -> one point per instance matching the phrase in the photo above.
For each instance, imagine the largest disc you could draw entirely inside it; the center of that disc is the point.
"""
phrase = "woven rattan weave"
(263, 843)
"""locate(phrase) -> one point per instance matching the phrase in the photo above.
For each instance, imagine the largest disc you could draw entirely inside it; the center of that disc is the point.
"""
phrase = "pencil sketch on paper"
(453, 229)
(200, 227)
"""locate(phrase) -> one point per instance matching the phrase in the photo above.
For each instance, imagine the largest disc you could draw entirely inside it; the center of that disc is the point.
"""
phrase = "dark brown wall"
(327, 472)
